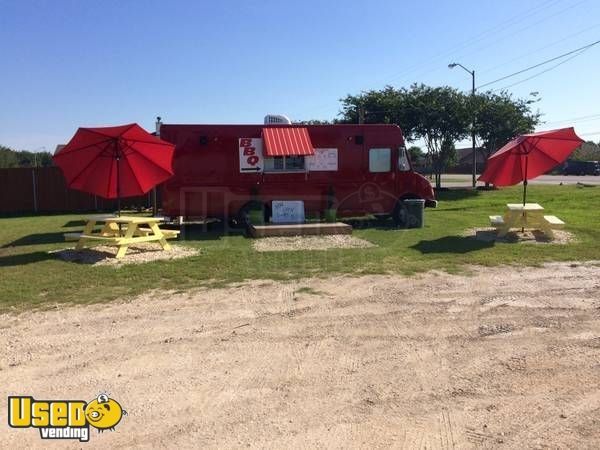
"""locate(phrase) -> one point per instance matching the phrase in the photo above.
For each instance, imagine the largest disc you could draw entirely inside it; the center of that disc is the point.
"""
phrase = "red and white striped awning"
(287, 141)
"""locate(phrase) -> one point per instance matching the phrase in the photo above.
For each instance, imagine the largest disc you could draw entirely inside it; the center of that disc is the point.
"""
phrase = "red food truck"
(223, 171)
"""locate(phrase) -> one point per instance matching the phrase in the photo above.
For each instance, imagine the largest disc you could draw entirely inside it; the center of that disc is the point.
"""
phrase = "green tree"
(10, 158)
(388, 105)
(438, 115)
(588, 151)
(312, 122)
(415, 154)
(500, 117)
(443, 115)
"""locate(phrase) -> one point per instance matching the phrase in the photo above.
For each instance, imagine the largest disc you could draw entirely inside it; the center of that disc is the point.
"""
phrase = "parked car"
(574, 167)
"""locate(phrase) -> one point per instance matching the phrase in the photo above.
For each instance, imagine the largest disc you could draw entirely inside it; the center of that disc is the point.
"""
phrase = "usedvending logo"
(65, 419)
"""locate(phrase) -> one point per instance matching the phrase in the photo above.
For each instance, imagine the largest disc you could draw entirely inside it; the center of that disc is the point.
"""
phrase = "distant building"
(464, 160)
(464, 156)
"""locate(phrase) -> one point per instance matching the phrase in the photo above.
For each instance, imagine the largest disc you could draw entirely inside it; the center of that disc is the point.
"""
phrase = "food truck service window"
(380, 159)
(285, 164)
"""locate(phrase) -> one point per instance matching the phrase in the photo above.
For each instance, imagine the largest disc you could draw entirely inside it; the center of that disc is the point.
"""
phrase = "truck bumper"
(431, 203)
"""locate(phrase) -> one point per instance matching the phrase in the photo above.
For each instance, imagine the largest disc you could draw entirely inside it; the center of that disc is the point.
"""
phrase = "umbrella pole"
(119, 191)
(118, 187)
(525, 189)
(525, 181)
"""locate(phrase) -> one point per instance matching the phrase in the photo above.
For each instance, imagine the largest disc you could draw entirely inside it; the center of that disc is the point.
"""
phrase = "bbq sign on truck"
(251, 155)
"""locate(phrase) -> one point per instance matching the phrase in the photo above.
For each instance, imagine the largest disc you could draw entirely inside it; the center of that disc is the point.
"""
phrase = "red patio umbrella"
(115, 162)
(529, 156)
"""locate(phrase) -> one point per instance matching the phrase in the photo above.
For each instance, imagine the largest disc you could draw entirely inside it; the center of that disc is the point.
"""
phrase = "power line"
(503, 25)
(544, 5)
(588, 118)
(580, 49)
(544, 71)
(511, 22)
(525, 55)
(475, 40)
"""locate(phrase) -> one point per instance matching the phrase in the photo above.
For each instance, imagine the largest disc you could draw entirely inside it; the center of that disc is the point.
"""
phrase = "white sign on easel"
(284, 211)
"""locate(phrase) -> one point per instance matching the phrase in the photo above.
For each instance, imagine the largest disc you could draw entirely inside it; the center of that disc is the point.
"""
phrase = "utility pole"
(474, 155)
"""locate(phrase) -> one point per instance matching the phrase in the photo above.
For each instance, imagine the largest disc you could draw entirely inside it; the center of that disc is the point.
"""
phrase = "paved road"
(460, 179)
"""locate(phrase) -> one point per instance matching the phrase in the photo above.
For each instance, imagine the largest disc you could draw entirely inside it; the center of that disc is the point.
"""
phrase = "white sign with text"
(287, 211)
(251, 155)
(324, 160)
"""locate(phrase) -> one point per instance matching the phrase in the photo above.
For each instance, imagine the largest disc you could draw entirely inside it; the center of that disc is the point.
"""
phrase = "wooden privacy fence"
(43, 189)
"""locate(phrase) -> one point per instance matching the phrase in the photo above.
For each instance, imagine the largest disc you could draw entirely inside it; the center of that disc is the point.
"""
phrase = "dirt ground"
(501, 358)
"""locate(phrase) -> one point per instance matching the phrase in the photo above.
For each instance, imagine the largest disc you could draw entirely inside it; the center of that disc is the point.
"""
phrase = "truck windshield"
(403, 164)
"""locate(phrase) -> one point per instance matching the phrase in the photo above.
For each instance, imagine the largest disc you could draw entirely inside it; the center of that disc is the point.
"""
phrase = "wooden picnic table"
(123, 231)
(528, 215)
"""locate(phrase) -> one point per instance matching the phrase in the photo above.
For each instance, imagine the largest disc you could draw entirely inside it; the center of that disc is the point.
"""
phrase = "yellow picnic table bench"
(528, 215)
(122, 231)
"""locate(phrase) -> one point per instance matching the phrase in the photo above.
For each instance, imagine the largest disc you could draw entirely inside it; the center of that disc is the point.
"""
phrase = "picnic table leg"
(538, 222)
(89, 227)
(131, 229)
(548, 232)
(157, 232)
(508, 223)
(110, 229)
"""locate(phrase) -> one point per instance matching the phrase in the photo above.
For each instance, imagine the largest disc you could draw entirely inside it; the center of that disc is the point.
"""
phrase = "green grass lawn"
(31, 277)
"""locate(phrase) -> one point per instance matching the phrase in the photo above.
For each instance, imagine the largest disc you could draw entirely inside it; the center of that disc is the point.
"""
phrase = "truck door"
(378, 193)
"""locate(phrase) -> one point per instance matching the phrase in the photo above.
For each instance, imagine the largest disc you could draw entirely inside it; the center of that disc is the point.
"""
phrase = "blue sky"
(83, 63)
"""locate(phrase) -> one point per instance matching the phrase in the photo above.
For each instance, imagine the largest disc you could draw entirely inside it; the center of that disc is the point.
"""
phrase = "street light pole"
(473, 132)
(474, 155)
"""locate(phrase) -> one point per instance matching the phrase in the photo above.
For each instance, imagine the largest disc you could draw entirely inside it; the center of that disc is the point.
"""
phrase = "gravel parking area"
(503, 357)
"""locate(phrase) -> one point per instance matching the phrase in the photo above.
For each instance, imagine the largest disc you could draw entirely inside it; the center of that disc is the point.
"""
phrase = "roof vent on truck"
(277, 119)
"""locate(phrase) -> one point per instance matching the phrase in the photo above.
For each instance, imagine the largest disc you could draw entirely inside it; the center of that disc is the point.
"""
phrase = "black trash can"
(415, 209)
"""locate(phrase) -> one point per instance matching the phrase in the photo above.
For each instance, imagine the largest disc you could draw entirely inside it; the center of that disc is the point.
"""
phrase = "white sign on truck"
(251, 155)
(290, 211)
(324, 160)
